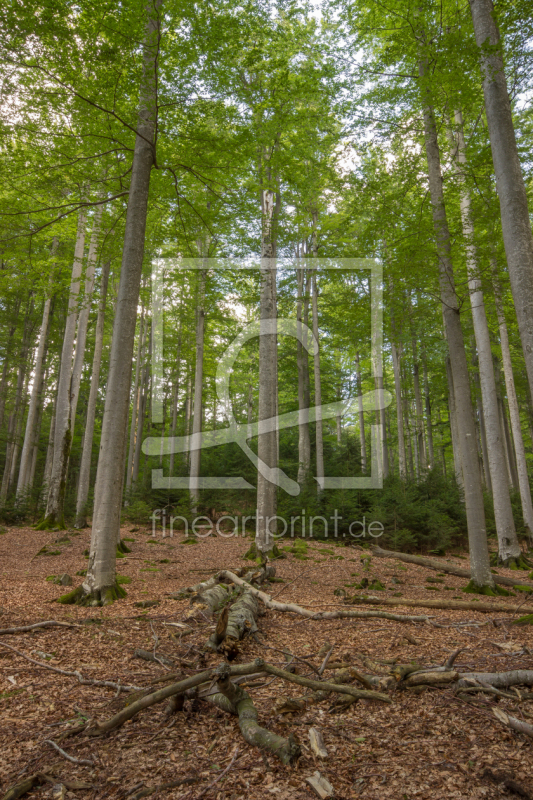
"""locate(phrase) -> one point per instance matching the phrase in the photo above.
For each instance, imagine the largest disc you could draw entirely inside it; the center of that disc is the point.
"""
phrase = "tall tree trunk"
(35, 453)
(63, 435)
(421, 444)
(302, 362)
(475, 512)
(359, 390)
(137, 391)
(194, 471)
(514, 411)
(100, 585)
(35, 402)
(516, 225)
(144, 391)
(482, 433)
(85, 464)
(427, 400)
(396, 366)
(508, 545)
(268, 369)
(175, 394)
(454, 428)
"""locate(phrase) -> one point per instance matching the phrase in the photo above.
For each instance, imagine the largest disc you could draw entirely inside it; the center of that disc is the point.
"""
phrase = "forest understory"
(429, 742)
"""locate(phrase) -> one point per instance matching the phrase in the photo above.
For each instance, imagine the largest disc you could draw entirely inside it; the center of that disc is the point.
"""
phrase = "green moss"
(433, 588)
(429, 579)
(71, 598)
(50, 578)
(127, 539)
(81, 572)
(526, 620)
(487, 591)
(123, 579)
(102, 597)
(123, 547)
(519, 588)
(377, 586)
(165, 561)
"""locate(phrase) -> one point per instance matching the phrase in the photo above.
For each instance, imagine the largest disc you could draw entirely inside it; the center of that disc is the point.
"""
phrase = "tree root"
(241, 620)
(96, 597)
(458, 605)
(287, 750)
(439, 566)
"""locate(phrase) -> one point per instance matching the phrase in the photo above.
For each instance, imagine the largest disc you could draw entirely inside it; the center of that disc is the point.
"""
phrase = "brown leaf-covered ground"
(430, 745)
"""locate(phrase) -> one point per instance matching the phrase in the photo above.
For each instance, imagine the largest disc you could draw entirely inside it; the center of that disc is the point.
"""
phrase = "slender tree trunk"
(35, 402)
(35, 452)
(175, 394)
(144, 390)
(477, 534)
(396, 365)
(302, 362)
(421, 445)
(427, 399)
(268, 368)
(63, 434)
(49, 459)
(194, 472)
(454, 428)
(85, 464)
(318, 389)
(407, 427)
(514, 411)
(359, 390)
(383, 451)
(508, 545)
(100, 585)
(482, 434)
(137, 391)
(516, 225)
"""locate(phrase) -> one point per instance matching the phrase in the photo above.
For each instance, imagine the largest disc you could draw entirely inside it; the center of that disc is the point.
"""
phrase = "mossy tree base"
(487, 591)
(254, 554)
(97, 597)
(50, 523)
(122, 548)
(522, 562)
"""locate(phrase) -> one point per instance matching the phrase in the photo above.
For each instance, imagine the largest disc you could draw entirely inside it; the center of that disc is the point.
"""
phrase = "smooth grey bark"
(175, 394)
(514, 411)
(359, 390)
(100, 586)
(319, 443)
(38, 424)
(83, 317)
(454, 429)
(143, 329)
(473, 491)
(302, 362)
(268, 369)
(419, 421)
(62, 437)
(508, 545)
(195, 458)
(427, 403)
(383, 450)
(482, 431)
(402, 465)
(516, 225)
(85, 464)
(49, 459)
(35, 403)
(144, 392)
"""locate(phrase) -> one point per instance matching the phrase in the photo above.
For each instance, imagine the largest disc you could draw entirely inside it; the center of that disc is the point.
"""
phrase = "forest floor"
(428, 745)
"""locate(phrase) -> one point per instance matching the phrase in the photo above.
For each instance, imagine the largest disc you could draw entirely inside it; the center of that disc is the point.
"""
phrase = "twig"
(219, 777)
(75, 673)
(324, 664)
(73, 760)
(48, 624)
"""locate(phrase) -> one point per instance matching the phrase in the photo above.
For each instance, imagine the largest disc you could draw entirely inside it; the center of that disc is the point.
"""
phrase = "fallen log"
(305, 612)
(512, 722)
(325, 686)
(451, 605)
(431, 678)
(442, 566)
(287, 750)
(500, 680)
